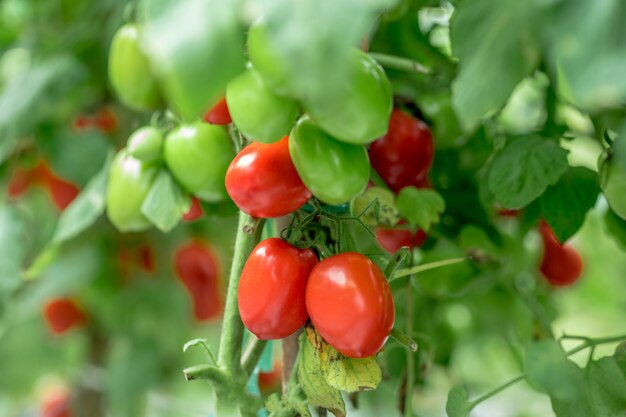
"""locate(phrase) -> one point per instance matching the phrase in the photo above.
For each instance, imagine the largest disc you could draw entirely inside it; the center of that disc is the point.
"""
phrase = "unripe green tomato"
(335, 172)
(257, 111)
(129, 183)
(146, 144)
(269, 62)
(198, 156)
(129, 71)
(614, 187)
(357, 111)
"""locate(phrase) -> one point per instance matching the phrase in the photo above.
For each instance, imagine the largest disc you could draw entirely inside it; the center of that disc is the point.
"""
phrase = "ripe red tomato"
(61, 191)
(404, 155)
(63, 314)
(391, 239)
(561, 265)
(105, 120)
(271, 292)
(21, 180)
(147, 259)
(194, 212)
(270, 382)
(263, 181)
(350, 304)
(218, 114)
(197, 267)
(56, 404)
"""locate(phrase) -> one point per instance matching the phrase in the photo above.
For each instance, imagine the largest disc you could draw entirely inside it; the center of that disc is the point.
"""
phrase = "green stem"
(248, 235)
(589, 343)
(497, 390)
(404, 339)
(210, 372)
(425, 267)
(252, 355)
(400, 63)
(399, 258)
(410, 359)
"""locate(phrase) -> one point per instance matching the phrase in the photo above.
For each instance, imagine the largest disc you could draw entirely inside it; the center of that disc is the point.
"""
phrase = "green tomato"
(614, 187)
(269, 62)
(257, 111)
(335, 172)
(358, 111)
(146, 144)
(198, 156)
(129, 71)
(129, 183)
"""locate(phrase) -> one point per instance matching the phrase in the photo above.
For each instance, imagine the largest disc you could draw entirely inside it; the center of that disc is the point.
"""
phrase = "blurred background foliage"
(496, 69)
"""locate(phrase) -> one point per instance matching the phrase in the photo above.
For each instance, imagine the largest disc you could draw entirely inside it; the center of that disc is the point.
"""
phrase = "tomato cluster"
(346, 297)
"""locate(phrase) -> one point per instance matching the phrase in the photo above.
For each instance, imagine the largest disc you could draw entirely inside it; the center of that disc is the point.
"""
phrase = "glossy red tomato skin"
(404, 155)
(63, 314)
(392, 239)
(196, 266)
(350, 304)
(263, 181)
(271, 292)
(194, 212)
(218, 114)
(561, 265)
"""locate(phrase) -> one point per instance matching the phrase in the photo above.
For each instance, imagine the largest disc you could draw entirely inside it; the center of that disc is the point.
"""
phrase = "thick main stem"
(248, 235)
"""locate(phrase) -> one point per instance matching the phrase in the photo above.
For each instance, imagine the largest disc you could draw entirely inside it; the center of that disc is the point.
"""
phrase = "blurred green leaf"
(565, 205)
(26, 99)
(12, 241)
(547, 370)
(166, 202)
(524, 168)
(421, 207)
(484, 33)
(616, 227)
(196, 47)
(585, 43)
(458, 404)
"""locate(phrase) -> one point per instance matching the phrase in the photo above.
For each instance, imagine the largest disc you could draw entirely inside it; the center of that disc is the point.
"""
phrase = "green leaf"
(458, 404)
(565, 205)
(585, 44)
(421, 207)
(196, 47)
(12, 238)
(350, 374)
(166, 202)
(524, 168)
(615, 227)
(607, 387)
(574, 407)
(547, 370)
(484, 33)
(311, 376)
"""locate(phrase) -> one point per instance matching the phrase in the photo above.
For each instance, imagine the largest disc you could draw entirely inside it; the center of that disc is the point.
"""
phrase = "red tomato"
(350, 304)
(561, 265)
(63, 314)
(270, 382)
(391, 239)
(82, 122)
(105, 120)
(196, 266)
(404, 155)
(61, 191)
(272, 289)
(20, 181)
(508, 213)
(56, 404)
(194, 212)
(147, 260)
(218, 114)
(263, 181)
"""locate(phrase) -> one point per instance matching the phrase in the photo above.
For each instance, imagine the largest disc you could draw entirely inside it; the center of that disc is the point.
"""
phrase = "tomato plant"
(272, 289)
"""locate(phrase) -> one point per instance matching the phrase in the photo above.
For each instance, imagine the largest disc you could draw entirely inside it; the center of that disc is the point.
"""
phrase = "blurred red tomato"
(63, 314)
(194, 212)
(561, 265)
(270, 382)
(56, 403)
(218, 114)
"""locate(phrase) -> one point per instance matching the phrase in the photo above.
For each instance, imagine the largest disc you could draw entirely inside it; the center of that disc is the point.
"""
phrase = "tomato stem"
(404, 339)
(248, 235)
(210, 372)
(400, 63)
(252, 354)
(400, 257)
(425, 267)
